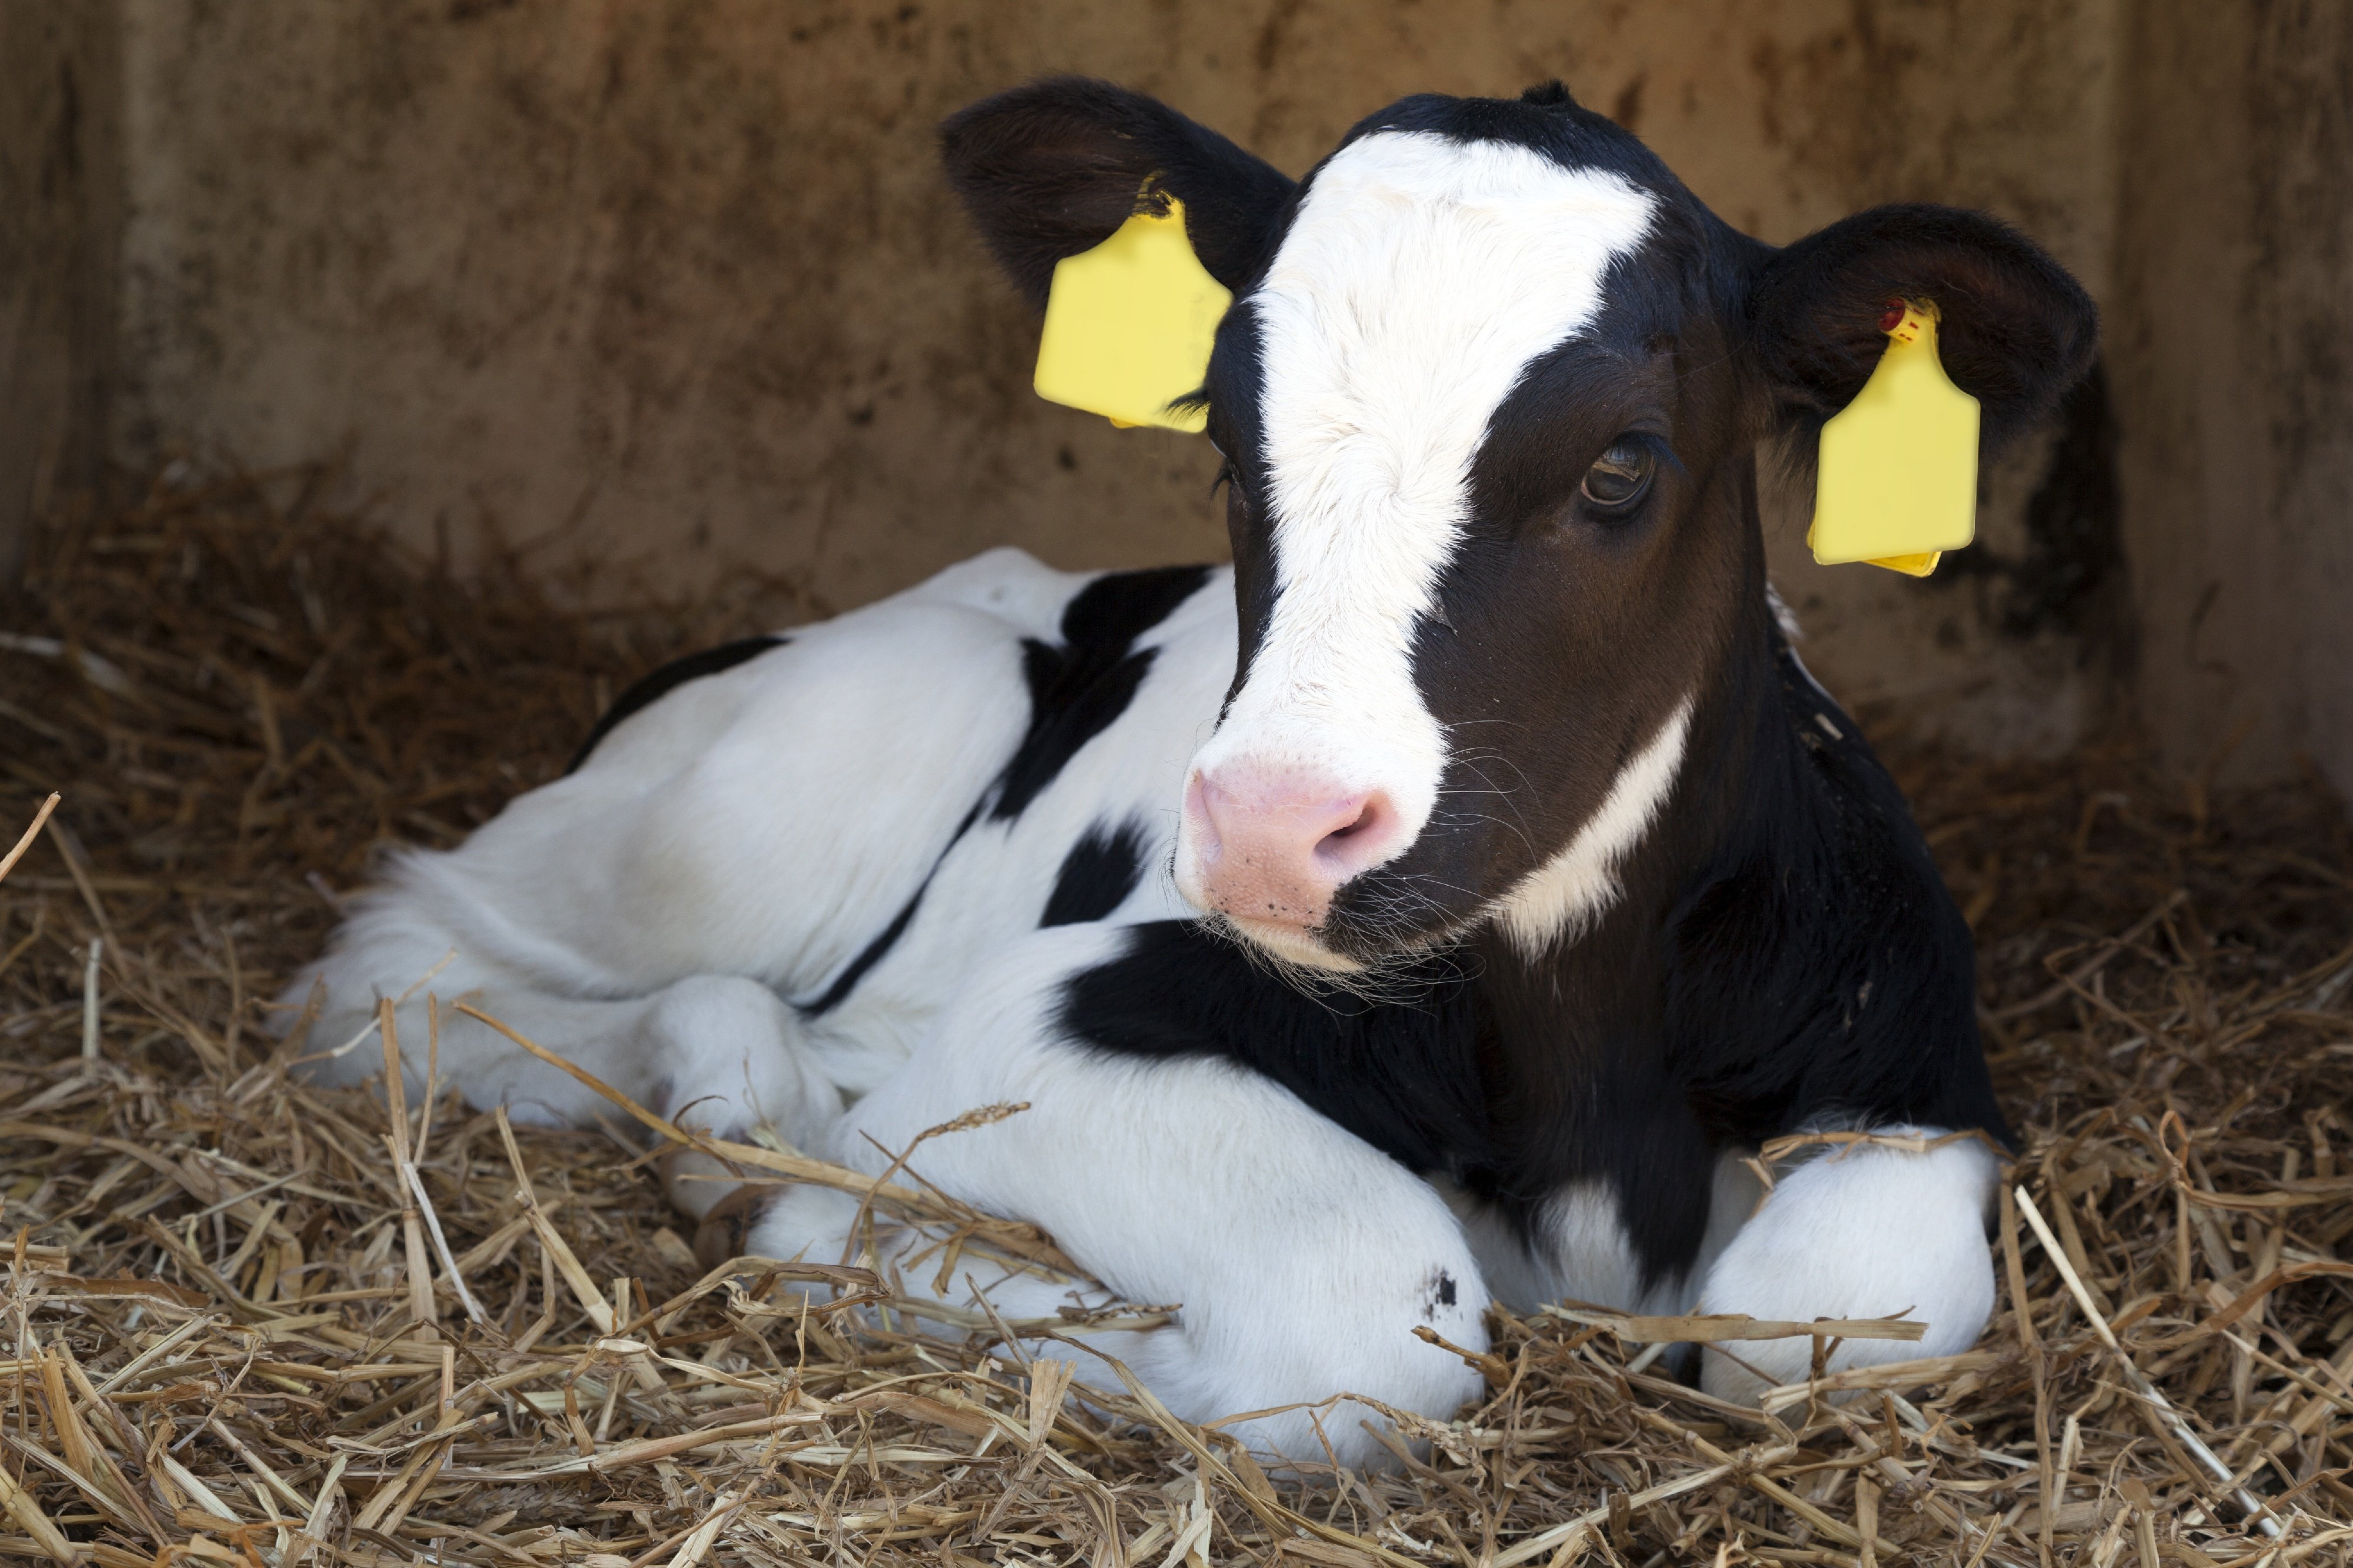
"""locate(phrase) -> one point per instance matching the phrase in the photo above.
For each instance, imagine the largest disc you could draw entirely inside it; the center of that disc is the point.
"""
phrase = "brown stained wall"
(60, 214)
(679, 277)
(2233, 338)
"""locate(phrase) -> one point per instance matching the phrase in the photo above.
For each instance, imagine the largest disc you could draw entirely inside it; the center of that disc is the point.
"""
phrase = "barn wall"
(679, 278)
(60, 166)
(676, 280)
(2233, 337)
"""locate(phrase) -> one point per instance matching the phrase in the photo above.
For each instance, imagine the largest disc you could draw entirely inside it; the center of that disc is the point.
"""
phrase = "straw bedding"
(259, 1324)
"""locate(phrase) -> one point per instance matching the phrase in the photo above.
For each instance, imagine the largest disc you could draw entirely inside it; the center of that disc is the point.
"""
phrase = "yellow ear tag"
(1129, 325)
(1897, 482)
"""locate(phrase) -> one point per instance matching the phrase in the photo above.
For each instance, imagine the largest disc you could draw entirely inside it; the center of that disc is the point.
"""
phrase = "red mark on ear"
(1892, 316)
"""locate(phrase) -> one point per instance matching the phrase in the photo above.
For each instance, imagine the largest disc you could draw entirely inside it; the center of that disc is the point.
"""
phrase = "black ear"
(1050, 169)
(2015, 331)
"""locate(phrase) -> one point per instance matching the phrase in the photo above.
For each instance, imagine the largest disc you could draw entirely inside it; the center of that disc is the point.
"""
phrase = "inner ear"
(1051, 169)
(2014, 330)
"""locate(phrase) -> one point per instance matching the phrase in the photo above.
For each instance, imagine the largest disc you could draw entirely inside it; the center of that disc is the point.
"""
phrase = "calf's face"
(1488, 397)
(1470, 436)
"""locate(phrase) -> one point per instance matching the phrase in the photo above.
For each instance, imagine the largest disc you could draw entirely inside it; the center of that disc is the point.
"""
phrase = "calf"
(1443, 903)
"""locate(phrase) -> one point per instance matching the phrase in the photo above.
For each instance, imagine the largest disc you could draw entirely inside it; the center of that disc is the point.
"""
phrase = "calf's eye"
(1619, 478)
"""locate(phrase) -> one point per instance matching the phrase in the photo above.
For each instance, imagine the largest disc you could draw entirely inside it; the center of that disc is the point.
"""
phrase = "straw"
(254, 1322)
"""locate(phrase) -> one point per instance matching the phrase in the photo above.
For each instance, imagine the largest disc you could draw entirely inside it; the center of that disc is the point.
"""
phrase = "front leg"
(1301, 1258)
(1867, 1230)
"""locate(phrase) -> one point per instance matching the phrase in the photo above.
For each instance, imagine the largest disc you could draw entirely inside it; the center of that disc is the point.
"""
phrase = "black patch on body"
(1098, 874)
(838, 989)
(1816, 955)
(1080, 687)
(1404, 1078)
(867, 957)
(650, 689)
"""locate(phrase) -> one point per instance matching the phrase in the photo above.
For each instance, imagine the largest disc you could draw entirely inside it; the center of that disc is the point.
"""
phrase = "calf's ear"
(2014, 330)
(1050, 169)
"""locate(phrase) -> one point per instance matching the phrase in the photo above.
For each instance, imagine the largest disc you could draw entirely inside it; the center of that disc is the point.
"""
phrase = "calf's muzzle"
(1269, 847)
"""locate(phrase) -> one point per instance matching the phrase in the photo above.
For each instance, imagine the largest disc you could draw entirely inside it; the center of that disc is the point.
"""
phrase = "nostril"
(1275, 844)
(1204, 804)
(1363, 836)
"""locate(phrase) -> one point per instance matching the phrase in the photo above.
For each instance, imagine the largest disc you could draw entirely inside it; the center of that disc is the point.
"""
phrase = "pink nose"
(1274, 848)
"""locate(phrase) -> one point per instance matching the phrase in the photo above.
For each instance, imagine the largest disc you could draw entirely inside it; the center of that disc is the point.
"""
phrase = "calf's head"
(1488, 396)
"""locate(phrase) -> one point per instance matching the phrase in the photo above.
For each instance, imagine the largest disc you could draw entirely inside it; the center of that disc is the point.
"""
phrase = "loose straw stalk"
(421, 1310)
(40, 819)
(2153, 1399)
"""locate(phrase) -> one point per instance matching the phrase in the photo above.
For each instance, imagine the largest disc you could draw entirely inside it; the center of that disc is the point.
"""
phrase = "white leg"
(1863, 1232)
(720, 1053)
(731, 1057)
(1303, 1258)
(820, 1225)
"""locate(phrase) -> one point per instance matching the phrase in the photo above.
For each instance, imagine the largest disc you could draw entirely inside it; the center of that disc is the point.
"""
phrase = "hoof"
(722, 1234)
(694, 1183)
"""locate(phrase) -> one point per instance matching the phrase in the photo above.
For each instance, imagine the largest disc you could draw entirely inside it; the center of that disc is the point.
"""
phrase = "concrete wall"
(2234, 340)
(679, 280)
(60, 216)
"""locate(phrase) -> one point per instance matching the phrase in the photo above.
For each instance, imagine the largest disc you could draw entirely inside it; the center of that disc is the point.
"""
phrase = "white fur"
(1133, 772)
(1303, 1258)
(1565, 894)
(1861, 1232)
(757, 826)
(1421, 278)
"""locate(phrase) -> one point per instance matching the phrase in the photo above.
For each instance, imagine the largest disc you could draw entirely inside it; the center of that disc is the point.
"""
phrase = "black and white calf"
(1437, 905)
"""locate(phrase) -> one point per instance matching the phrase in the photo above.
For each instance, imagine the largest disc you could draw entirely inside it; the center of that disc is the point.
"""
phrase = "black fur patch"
(872, 954)
(874, 951)
(1079, 687)
(1118, 607)
(650, 689)
(1098, 874)
(1405, 1079)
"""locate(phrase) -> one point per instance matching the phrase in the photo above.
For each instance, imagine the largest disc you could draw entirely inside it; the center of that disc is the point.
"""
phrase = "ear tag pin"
(1129, 325)
(1897, 482)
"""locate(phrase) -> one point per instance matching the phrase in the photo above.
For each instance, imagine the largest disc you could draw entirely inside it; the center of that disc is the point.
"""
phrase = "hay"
(262, 1324)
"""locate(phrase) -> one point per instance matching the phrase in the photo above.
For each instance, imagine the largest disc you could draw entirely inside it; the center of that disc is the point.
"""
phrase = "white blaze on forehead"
(1420, 278)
